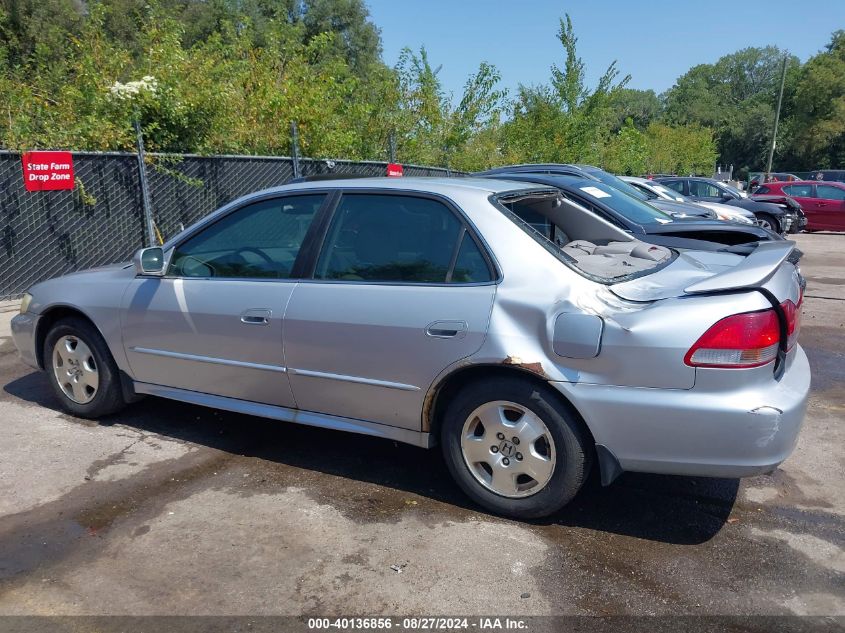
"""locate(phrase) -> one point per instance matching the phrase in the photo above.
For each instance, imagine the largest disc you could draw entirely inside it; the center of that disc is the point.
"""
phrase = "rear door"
(705, 191)
(678, 184)
(400, 290)
(213, 324)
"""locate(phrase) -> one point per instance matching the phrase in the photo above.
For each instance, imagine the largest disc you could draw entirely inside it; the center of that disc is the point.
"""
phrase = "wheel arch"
(440, 394)
(49, 318)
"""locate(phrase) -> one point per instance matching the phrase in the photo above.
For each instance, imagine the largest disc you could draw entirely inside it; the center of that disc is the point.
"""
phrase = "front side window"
(258, 241)
(396, 238)
(827, 192)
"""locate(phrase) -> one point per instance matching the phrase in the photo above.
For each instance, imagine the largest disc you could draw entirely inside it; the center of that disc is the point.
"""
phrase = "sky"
(653, 41)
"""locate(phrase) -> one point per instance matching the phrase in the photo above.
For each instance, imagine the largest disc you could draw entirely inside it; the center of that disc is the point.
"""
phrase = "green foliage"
(229, 76)
(736, 97)
(564, 121)
(815, 125)
(676, 149)
(640, 106)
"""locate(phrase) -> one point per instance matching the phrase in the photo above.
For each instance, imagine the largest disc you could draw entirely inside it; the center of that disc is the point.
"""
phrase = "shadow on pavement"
(677, 510)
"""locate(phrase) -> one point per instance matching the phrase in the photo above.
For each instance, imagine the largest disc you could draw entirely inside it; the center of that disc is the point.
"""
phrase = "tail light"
(793, 320)
(749, 339)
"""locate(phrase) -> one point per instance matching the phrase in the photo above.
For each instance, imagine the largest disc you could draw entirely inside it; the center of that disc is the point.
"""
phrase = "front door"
(830, 207)
(213, 324)
(400, 291)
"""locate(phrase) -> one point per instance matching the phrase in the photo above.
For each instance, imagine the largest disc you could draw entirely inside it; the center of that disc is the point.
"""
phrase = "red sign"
(394, 169)
(47, 171)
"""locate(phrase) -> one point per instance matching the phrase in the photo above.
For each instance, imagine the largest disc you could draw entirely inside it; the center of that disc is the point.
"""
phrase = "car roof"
(561, 181)
(636, 179)
(789, 183)
(422, 184)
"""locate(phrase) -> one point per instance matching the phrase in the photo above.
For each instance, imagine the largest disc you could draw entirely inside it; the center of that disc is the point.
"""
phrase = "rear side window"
(470, 265)
(703, 189)
(827, 192)
(765, 189)
(802, 191)
(677, 185)
(395, 238)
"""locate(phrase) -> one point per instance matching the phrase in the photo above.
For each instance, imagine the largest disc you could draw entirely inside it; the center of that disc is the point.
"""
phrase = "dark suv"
(837, 175)
(777, 214)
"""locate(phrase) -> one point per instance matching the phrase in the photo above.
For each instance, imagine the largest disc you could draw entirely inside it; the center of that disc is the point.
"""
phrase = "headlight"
(27, 299)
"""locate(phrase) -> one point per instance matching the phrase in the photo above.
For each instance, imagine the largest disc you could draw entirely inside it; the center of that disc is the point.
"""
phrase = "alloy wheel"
(75, 369)
(508, 449)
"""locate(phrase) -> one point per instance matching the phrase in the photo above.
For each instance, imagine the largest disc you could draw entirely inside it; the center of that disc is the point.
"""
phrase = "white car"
(656, 191)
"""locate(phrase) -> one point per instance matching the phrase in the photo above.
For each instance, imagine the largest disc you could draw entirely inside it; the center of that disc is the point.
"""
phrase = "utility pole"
(777, 119)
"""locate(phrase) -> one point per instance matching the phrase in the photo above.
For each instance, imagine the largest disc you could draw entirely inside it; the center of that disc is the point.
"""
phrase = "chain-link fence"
(44, 234)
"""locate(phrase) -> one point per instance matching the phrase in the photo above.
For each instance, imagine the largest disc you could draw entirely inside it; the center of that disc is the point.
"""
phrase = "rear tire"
(81, 369)
(488, 441)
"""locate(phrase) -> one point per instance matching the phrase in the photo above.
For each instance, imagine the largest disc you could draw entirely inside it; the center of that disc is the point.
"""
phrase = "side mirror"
(149, 261)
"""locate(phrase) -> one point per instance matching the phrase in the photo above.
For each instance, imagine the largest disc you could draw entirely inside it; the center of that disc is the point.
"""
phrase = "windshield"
(736, 192)
(648, 193)
(628, 206)
(613, 181)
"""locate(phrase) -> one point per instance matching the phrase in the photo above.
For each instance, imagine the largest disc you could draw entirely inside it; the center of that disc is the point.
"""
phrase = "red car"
(822, 202)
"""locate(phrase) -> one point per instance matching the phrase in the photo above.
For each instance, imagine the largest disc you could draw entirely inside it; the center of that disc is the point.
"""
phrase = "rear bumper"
(23, 335)
(710, 430)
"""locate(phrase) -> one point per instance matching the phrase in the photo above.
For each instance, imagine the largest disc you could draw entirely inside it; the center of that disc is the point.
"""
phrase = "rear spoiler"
(753, 272)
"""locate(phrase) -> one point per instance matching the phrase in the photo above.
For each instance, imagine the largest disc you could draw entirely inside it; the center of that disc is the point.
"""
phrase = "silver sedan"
(526, 335)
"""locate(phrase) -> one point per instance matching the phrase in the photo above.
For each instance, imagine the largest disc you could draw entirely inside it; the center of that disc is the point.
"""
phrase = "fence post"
(145, 191)
(294, 134)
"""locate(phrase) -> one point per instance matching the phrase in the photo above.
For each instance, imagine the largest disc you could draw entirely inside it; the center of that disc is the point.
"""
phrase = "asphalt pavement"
(168, 508)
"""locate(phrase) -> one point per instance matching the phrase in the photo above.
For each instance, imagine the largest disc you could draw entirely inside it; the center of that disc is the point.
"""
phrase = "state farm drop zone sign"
(47, 171)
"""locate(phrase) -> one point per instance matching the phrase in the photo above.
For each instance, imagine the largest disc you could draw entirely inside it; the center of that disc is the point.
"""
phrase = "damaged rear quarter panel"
(643, 343)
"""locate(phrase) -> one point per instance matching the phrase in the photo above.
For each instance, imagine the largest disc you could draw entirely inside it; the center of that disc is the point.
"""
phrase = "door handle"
(446, 329)
(256, 316)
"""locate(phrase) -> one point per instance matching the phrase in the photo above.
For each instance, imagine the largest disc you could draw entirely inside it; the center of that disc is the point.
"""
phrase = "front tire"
(81, 369)
(766, 221)
(513, 448)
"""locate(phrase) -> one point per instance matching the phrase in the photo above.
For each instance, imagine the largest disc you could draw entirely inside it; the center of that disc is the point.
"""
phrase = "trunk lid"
(702, 272)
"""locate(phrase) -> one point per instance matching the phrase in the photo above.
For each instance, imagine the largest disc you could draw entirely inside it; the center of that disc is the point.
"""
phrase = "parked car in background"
(823, 202)
(836, 175)
(657, 192)
(565, 169)
(429, 311)
(645, 221)
(674, 209)
(779, 218)
(760, 178)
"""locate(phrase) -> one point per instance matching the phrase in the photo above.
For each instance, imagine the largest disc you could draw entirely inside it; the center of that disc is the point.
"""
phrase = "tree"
(736, 98)
(814, 128)
(640, 106)
(429, 129)
(676, 149)
(564, 121)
